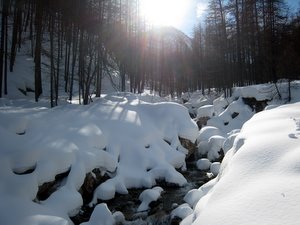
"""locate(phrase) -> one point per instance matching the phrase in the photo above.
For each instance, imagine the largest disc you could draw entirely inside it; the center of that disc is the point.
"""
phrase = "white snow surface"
(203, 164)
(120, 135)
(205, 111)
(182, 211)
(148, 196)
(259, 180)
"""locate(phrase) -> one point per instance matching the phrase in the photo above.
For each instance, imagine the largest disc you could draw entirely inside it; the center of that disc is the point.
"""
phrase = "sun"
(164, 12)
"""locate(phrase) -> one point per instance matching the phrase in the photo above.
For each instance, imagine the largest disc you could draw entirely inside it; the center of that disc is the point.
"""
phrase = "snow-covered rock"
(182, 211)
(233, 117)
(205, 111)
(101, 216)
(203, 164)
(148, 196)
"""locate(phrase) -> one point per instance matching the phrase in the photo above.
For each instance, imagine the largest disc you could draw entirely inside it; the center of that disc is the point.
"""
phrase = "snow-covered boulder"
(205, 111)
(182, 211)
(148, 196)
(101, 216)
(212, 147)
(203, 164)
(233, 117)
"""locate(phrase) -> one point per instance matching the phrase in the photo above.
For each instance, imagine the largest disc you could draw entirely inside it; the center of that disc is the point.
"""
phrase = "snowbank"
(134, 142)
(259, 181)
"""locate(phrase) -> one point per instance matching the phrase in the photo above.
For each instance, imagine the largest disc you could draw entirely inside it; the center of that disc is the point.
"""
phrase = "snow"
(210, 142)
(203, 164)
(259, 92)
(205, 111)
(101, 216)
(135, 143)
(215, 168)
(233, 117)
(148, 196)
(182, 211)
(196, 100)
(258, 180)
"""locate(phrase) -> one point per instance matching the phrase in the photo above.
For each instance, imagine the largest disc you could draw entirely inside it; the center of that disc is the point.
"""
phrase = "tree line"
(76, 43)
(244, 42)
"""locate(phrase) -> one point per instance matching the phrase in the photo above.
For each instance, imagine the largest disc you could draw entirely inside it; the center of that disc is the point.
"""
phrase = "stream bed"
(160, 211)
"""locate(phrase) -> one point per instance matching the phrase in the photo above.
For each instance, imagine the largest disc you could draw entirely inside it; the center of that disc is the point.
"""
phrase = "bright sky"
(182, 14)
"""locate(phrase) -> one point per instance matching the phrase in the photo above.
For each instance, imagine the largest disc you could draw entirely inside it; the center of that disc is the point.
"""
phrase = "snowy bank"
(133, 142)
(259, 180)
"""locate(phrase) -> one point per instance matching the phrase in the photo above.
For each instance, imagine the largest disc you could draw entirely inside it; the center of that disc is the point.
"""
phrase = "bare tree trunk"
(38, 48)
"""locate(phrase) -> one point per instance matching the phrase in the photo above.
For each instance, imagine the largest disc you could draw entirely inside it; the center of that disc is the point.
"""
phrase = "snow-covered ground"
(258, 182)
(134, 141)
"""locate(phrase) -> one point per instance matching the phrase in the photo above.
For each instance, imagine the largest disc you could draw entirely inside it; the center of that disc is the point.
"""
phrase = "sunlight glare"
(201, 7)
(164, 12)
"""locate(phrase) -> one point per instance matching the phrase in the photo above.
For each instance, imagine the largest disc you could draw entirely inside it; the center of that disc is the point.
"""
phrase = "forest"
(75, 43)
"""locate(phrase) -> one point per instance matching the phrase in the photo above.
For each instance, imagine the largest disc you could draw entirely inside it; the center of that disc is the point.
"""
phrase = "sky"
(194, 13)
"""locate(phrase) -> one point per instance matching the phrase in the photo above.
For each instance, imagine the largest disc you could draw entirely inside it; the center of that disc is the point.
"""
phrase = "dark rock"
(255, 105)
(233, 115)
(21, 133)
(24, 171)
(190, 146)
(202, 121)
(91, 182)
(46, 189)
(175, 221)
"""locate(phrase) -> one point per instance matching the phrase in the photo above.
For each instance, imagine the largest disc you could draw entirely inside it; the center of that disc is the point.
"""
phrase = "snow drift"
(133, 142)
(259, 180)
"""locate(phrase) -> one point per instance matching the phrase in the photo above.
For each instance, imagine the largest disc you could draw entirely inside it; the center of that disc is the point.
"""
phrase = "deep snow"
(134, 140)
(258, 182)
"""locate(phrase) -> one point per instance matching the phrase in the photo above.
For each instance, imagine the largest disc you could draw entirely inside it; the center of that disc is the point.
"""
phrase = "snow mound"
(203, 164)
(233, 117)
(205, 111)
(148, 196)
(182, 211)
(134, 142)
(259, 177)
(101, 216)
(259, 92)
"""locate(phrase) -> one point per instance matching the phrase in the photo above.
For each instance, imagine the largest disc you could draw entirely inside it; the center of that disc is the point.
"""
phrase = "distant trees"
(246, 42)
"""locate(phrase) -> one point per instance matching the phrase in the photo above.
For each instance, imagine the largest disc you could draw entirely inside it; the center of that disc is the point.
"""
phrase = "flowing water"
(160, 211)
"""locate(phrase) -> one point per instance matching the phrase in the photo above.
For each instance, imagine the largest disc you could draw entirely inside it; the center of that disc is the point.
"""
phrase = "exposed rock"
(202, 121)
(175, 221)
(190, 146)
(24, 171)
(46, 189)
(91, 182)
(255, 105)
(235, 114)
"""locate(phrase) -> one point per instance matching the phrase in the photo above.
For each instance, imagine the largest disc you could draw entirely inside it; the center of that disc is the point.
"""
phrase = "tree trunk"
(38, 48)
